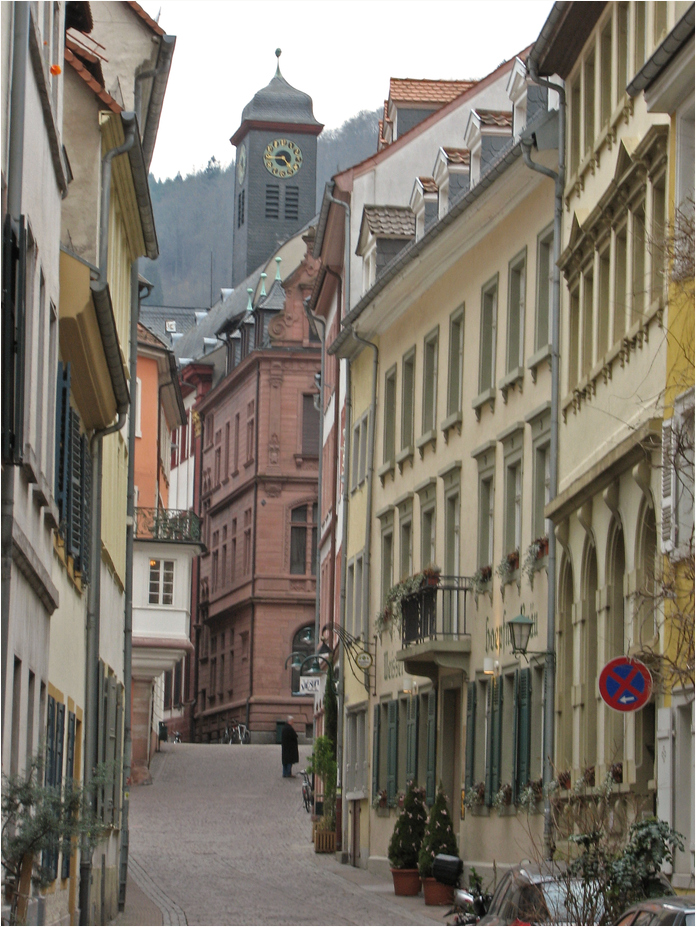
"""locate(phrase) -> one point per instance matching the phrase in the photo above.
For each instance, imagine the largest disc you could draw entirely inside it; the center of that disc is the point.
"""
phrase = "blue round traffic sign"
(625, 684)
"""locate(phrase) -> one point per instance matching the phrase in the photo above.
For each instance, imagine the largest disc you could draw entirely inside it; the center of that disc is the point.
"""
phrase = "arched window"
(303, 644)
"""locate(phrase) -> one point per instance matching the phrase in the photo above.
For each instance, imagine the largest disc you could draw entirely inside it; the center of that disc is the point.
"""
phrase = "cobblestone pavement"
(221, 838)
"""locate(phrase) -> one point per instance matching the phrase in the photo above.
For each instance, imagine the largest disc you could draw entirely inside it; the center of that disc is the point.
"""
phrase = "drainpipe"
(100, 295)
(20, 55)
(550, 669)
(136, 294)
(344, 534)
(317, 609)
(253, 546)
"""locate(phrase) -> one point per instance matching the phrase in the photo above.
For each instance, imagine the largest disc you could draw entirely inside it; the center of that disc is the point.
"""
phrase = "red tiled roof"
(91, 82)
(492, 117)
(143, 15)
(440, 92)
(457, 155)
(428, 184)
(390, 221)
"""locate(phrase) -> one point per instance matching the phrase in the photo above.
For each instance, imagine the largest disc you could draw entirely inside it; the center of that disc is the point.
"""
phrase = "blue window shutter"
(69, 775)
(62, 441)
(392, 749)
(86, 503)
(375, 751)
(470, 734)
(50, 770)
(74, 509)
(431, 748)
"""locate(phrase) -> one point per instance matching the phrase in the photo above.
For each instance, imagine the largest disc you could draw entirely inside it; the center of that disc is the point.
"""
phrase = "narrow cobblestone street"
(221, 838)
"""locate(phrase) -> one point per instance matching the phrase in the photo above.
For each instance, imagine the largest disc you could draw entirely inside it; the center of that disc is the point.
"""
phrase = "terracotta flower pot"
(406, 881)
(435, 892)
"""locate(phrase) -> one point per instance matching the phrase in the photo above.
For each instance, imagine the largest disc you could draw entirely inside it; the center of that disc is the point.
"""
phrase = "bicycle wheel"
(246, 737)
(305, 799)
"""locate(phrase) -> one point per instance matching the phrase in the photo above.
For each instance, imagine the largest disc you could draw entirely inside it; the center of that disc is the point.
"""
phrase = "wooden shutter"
(375, 750)
(412, 739)
(69, 784)
(431, 748)
(101, 732)
(86, 530)
(516, 785)
(74, 511)
(523, 718)
(50, 770)
(494, 739)
(667, 535)
(470, 734)
(118, 752)
(62, 442)
(110, 747)
(392, 749)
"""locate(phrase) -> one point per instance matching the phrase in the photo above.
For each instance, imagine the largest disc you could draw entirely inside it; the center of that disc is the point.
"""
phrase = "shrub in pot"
(438, 838)
(406, 840)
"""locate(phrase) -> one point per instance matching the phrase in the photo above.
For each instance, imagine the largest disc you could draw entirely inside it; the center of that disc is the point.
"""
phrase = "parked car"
(674, 909)
(530, 894)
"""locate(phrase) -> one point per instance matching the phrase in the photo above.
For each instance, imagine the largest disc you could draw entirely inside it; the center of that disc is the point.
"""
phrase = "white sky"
(341, 52)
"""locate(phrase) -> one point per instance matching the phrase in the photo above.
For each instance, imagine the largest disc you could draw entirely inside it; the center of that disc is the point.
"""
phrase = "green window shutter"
(111, 776)
(470, 734)
(101, 735)
(118, 768)
(515, 737)
(375, 751)
(392, 749)
(431, 746)
(494, 739)
(74, 509)
(62, 442)
(412, 739)
(524, 707)
(50, 771)
(86, 528)
(60, 737)
(69, 775)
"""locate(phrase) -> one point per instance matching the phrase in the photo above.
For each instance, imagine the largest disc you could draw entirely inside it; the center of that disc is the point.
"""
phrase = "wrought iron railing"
(436, 612)
(167, 525)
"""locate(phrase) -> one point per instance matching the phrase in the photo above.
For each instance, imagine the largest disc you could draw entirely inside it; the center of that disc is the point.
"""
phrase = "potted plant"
(406, 840)
(482, 578)
(323, 764)
(474, 796)
(438, 838)
(503, 797)
(508, 565)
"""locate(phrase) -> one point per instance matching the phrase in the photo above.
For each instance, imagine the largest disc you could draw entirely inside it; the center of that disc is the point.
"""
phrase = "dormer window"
(424, 204)
(487, 133)
(517, 92)
(384, 232)
(451, 174)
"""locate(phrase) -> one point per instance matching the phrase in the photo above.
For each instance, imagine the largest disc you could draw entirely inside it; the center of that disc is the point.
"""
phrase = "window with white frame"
(303, 539)
(408, 380)
(161, 582)
(358, 596)
(489, 312)
(485, 459)
(540, 424)
(542, 334)
(405, 546)
(430, 348)
(456, 355)
(387, 559)
(359, 463)
(517, 272)
(350, 601)
(389, 450)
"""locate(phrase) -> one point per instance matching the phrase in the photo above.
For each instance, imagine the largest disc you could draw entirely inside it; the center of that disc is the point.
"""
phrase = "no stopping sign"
(625, 684)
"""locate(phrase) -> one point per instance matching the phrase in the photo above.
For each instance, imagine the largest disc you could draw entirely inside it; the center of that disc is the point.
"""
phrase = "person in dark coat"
(289, 750)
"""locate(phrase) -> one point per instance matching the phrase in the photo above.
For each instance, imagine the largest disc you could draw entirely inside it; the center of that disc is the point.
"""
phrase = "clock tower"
(276, 171)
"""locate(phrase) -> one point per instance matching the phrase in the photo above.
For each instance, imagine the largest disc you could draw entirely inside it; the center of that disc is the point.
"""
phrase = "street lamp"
(521, 629)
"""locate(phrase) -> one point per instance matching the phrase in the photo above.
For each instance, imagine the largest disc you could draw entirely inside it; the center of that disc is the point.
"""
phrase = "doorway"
(451, 749)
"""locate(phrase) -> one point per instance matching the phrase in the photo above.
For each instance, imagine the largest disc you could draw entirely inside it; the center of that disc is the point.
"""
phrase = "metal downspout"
(93, 601)
(550, 667)
(253, 546)
(20, 55)
(128, 622)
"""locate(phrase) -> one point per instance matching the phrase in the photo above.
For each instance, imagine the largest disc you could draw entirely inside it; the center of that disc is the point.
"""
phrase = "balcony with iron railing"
(174, 525)
(433, 627)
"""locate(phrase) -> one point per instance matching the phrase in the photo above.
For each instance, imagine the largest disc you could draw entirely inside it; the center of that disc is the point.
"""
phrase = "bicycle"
(236, 732)
(307, 791)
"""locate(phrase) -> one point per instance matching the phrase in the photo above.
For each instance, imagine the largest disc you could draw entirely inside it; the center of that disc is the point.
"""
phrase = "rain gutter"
(160, 73)
(664, 54)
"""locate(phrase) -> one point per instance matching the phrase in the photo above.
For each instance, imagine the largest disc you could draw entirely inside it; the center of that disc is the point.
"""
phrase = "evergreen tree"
(438, 837)
(409, 829)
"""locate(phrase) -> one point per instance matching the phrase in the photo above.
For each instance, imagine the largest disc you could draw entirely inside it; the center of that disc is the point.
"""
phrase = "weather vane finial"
(278, 53)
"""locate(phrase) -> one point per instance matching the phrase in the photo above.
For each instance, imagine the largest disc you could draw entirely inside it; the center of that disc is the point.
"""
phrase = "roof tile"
(428, 184)
(493, 117)
(440, 92)
(390, 221)
(91, 82)
(457, 155)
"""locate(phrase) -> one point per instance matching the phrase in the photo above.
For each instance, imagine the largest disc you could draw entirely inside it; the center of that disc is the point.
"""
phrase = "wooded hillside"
(194, 217)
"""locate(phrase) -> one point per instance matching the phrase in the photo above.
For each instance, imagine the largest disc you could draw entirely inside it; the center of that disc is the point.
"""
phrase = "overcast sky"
(341, 52)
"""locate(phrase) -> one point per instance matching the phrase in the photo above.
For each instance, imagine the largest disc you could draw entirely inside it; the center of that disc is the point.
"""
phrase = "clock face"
(282, 158)
(241, 164)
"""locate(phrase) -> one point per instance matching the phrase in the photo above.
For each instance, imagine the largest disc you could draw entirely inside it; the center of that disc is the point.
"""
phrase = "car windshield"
(572, 902)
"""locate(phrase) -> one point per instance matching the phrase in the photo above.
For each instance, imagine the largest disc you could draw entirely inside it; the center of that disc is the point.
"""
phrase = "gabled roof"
(156, 28)
(563, 36)
(440, 92)
(145, 336)
(428, 184)
(389, 221)
(94, 85)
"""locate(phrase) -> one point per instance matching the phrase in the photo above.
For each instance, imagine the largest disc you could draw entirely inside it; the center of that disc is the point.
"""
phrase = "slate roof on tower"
(279, 104)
